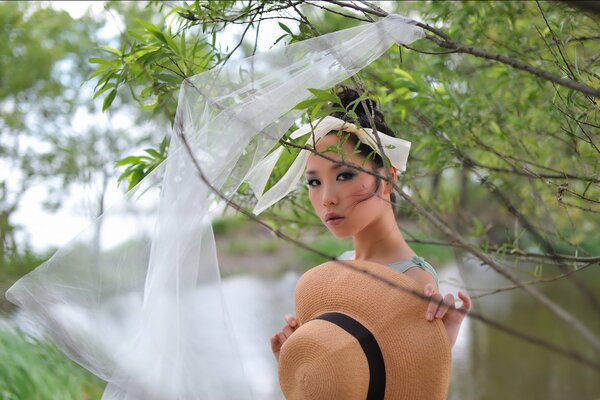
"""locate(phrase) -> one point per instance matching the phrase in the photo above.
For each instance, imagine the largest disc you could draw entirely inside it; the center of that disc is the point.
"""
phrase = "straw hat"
(360, 338)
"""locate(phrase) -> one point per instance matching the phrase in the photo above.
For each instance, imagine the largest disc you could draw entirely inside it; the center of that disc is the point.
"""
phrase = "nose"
(329, 196)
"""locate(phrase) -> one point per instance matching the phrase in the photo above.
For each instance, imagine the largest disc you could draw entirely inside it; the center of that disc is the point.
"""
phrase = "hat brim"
(416, 351)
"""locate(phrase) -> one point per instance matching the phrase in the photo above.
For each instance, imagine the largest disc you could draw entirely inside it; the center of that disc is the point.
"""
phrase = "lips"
(333, 218)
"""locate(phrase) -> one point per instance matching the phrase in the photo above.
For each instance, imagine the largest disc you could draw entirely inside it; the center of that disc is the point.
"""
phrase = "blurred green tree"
(500, 99)
(46, 103)
(39, 64)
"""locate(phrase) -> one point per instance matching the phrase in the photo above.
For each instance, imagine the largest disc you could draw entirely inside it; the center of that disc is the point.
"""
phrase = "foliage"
(38, 64)
(46, 139)
(151, 65)
(500, 102)
(38, 370)
(507, 157)
(476, 125)
(140, 166)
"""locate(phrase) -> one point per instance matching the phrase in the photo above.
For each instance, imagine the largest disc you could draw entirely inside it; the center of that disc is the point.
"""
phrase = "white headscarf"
(395, 149)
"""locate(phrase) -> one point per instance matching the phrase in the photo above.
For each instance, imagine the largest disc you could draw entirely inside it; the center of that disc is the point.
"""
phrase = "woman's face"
(343, 196)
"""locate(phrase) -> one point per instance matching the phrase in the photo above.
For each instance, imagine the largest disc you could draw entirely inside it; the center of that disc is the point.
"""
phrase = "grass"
(38, 370)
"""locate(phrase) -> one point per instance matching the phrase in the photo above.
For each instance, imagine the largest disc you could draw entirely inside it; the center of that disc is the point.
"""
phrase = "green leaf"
(285, 28)
(153, 153)
(307, 104)
(404, 74)
(104, 88)
(278, 40)
(97, 60)
(149, 26)
(413, 87)
(111, 50)
(325, 95)
(127, 160)
(147, 92)
(109, 99)
(168, 78)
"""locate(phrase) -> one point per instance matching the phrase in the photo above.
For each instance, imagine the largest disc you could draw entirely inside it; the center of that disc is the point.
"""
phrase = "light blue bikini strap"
(420, 262)
(401, 266)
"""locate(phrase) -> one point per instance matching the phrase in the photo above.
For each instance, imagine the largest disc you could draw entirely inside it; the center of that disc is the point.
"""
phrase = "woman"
(355, 203)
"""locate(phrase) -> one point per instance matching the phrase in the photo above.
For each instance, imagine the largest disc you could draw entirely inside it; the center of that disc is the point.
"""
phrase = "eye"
(313, 182)
(345, 176)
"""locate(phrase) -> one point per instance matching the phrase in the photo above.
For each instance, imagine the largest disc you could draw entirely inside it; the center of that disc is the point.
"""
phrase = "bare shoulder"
(422, 277)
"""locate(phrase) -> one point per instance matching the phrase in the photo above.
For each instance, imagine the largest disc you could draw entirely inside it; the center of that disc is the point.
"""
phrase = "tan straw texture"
(322, 361)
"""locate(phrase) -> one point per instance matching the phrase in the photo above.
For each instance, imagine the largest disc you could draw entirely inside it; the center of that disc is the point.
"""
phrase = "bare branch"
(517, 64)
(337, 12)
(446, 42)
(534, 282)
(534, 340)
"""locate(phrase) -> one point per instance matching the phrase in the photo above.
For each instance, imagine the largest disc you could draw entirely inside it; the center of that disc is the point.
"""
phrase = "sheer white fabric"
(155, 322)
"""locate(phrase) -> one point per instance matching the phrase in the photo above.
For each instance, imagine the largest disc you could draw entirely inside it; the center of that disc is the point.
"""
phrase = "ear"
(388, 188)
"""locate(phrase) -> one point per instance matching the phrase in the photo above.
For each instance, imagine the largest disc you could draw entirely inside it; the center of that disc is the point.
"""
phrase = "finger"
(448, 302)
(287, 331)
(282, 337)
(291, 320)
(466, 301)
(435, 302)
(275, 344)
(429, 289)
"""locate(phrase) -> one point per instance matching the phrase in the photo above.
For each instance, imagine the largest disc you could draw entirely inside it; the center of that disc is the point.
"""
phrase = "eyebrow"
(333, 167)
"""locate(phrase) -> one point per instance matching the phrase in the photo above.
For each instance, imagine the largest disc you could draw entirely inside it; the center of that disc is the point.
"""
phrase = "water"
(490, 364)
(487, 364)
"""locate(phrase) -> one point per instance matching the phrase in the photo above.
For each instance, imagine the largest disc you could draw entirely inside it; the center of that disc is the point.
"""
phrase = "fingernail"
(429, 316)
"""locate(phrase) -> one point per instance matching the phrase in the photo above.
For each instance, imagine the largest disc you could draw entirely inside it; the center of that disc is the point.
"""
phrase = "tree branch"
(531, 339)
(447, 43)
(534, 282)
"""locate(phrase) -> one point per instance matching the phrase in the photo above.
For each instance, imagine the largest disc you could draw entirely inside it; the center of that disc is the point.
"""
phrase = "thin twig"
(446, 42)
(537, 341)
(534, 282)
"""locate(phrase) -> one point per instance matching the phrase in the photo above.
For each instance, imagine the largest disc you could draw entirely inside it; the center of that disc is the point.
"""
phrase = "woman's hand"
(445, 309)
(279, 338)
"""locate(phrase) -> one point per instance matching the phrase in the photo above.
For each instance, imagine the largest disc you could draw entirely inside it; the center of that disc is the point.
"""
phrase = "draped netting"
(155, 322)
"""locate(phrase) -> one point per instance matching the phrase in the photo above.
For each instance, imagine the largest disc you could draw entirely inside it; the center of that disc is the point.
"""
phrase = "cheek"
(312, 196)
(361, 190)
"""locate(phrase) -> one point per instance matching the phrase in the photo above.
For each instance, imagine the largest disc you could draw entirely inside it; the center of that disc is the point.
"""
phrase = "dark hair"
(348, 95)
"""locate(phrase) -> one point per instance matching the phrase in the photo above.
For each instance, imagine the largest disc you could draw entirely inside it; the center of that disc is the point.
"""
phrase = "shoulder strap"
(420, 262)
(401, 266)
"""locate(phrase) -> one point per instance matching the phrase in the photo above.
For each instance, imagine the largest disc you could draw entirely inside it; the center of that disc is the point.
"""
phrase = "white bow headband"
(395, 149)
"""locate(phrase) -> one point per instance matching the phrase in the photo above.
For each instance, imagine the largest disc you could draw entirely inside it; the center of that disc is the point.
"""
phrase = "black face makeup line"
(349, 175)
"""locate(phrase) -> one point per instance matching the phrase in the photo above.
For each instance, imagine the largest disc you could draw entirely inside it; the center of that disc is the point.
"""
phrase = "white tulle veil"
(154, 322)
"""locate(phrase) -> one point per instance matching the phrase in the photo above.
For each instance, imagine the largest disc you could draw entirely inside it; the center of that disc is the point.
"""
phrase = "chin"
(340, 233)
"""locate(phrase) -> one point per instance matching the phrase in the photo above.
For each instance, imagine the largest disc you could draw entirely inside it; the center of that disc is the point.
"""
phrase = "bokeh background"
(508, 156)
